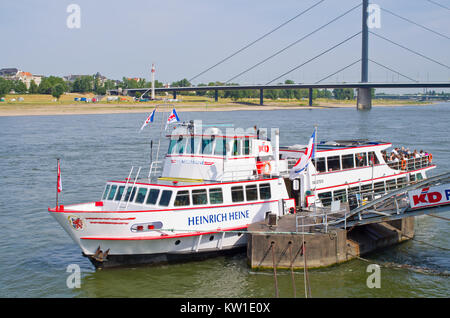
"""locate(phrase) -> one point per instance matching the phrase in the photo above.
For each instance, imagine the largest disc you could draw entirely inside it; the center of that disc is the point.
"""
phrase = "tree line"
(56, 86)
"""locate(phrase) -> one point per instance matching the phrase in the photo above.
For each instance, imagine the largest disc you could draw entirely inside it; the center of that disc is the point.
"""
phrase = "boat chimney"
(276, 133)
(153, 81)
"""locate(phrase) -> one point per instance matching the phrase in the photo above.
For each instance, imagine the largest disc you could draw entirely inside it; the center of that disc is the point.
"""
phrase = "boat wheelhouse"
(210, 186)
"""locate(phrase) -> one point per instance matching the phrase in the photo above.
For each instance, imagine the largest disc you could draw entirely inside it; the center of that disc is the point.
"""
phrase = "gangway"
(429, 196)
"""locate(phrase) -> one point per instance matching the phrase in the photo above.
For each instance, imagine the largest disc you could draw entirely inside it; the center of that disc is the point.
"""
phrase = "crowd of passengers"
(403, 154)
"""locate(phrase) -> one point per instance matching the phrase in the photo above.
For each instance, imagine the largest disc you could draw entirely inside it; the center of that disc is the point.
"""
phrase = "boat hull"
(128, 260)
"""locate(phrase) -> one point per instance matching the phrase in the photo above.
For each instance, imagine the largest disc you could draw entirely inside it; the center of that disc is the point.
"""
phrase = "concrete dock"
(281, 246)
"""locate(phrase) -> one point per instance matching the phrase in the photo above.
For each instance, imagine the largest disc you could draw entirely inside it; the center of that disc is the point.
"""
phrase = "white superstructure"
(211, 187)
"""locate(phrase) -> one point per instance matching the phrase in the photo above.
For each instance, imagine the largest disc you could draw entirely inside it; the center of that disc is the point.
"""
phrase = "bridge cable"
(390, 69)
(415, 23)
(412, 51)
(438, 4)
(294, 43)
(315, 57)
(338, 71)
(257, 40)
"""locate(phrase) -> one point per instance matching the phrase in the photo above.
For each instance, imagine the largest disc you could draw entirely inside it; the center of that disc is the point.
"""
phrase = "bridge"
(364, 95)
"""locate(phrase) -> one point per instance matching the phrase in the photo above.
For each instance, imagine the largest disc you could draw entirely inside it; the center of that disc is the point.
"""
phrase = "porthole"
(211, 237)
(177, 242)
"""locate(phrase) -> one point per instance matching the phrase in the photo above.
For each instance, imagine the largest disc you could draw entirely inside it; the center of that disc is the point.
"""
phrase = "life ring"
(430, 157)
(403, 164)
(267, 168)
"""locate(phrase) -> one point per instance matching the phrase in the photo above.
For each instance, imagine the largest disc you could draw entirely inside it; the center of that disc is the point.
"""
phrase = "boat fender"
(267, 168)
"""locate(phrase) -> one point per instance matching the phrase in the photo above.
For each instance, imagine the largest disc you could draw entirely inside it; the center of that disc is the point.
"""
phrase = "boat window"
(119, 193)
(251, 192)
(419, 176)
(199, 197)
(354, 190)
(348, 161)
(320, 167)
(182, 198)
(207, 146)
(412, 177)
(237, 194)
(215, 196)
(190, 146)
(334, 163)
(141, 195)
(367, 188)
(236, 147)
(373, 159)
(361, 159)
(246, 146)
(340, 195)
(113, 191)
(390, 185)
(220, 149)
(264, 191)
(165, 198)
(181, 145)
(105, 194)
(378, 187)
(127, 195)
(325, 198)
(401, 182)
(152, 196)
(172, 144)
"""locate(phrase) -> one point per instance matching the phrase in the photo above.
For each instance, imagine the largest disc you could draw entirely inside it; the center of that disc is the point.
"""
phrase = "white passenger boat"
(211, 185)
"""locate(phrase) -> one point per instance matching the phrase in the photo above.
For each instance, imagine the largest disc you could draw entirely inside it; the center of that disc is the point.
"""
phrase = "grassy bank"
(40, 104)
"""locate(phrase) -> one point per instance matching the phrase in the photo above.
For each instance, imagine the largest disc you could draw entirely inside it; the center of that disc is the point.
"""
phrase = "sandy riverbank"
(71, 108)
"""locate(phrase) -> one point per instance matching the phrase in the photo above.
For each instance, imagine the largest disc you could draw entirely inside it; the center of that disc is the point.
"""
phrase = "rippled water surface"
(35, 251)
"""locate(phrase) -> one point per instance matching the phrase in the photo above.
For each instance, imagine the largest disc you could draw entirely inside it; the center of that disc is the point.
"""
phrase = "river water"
(35, 251)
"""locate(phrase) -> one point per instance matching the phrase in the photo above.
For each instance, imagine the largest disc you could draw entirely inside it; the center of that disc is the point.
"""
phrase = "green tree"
(47, 83)
(57, 91)
(19, 87)
(33, 89)
(5, 86)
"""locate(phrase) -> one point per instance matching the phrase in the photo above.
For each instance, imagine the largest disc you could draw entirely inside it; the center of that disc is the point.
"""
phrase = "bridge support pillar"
(364, 99)
(261, 96)
(216, 95)
(174, 94)
(310, 97)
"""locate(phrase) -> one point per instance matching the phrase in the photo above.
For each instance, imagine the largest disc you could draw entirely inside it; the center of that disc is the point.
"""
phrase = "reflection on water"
(95, 148)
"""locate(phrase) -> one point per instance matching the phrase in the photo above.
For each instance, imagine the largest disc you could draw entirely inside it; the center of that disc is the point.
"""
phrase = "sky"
(183, 38)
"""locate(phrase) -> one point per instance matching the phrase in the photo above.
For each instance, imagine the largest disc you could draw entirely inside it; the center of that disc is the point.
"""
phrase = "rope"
(422, 270)
(439, 217)
(274, 269)
(426, 243)
(292, 269)
(257, 40)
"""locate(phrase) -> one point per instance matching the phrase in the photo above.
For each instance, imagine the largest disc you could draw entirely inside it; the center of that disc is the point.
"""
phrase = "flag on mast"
(59, 182)
(173, 117)
(149, 119)
(305, 158)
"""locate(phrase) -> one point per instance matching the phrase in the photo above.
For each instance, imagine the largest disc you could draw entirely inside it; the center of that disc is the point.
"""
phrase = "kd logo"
(374, 279)
(374, 16)
(74, 279)
(74, 19)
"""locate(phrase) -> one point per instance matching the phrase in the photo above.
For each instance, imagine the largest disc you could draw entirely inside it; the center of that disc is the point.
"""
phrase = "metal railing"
(411, 163)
